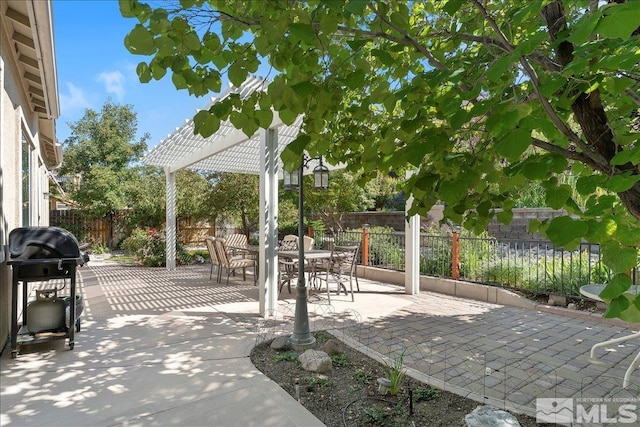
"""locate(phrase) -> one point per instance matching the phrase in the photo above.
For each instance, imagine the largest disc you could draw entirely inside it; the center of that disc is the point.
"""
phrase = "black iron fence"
(535, 266)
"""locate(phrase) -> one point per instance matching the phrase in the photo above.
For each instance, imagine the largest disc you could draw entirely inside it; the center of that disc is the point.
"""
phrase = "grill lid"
(42, 243)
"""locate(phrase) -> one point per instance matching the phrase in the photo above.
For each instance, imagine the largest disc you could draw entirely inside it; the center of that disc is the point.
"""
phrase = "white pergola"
(230, 150)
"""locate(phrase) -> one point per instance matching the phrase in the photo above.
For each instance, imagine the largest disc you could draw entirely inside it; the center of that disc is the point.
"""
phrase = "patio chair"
(354, 266)
(235, 243)
(287, 273)
(307, 242)
(289, 243)
(215, 262)
(231, 264)
(338, 268)
(288, 268)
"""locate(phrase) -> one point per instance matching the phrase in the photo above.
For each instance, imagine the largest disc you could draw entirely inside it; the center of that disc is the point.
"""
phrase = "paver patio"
(164, 347)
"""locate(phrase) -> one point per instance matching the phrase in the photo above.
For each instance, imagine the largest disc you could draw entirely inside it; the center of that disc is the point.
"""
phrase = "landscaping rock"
(281, 343)
(315, 361)
(572, 306)
(332, 347)
(489, 416)
(558, 300)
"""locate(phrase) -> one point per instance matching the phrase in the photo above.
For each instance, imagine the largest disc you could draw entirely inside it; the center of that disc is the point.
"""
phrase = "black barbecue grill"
(40, 254)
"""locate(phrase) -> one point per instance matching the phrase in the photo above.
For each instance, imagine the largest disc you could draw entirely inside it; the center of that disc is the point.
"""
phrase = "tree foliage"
(192, 188)
(145, 195)
(98, 156)
(103, 138)
(235, 196)
(481, 97)
(342, 196)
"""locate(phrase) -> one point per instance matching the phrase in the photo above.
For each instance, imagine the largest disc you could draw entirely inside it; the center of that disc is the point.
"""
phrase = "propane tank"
(46, 313)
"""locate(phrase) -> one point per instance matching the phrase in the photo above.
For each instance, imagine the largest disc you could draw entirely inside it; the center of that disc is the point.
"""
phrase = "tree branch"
(596, 158)
(408, 39)
(569, 154)
(536, 57)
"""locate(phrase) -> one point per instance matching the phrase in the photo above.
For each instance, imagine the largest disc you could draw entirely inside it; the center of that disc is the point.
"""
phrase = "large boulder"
(489, 416)
(315, 361)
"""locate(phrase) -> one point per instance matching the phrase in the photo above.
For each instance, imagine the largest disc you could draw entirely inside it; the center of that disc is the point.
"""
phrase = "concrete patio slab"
(172, 348)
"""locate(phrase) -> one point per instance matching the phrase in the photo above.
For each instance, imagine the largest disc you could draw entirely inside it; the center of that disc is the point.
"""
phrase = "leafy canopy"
(480, 97)
(98, 156)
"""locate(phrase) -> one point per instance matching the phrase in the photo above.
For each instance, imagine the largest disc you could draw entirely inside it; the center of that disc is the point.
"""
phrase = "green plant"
(315, 380)
(361, 377)
(318, 227)
(99, 248)
(287, 356)
(198, 252)
(384, 247)
(149, 248)
(340, 359)
(322, 336)
(395, 373)
(501, 273)
(377, 415)
(568, 275)
(387, 415)
(428, 393)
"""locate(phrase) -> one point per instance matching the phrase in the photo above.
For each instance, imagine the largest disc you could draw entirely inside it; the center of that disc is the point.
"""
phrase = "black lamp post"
(301, 339)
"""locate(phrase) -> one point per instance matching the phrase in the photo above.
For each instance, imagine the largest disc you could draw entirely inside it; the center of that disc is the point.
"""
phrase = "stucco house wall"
(29, 106)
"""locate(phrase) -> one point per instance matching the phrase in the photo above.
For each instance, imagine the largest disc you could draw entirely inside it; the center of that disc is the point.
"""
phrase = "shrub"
(149, 248)
(503, 274)
(99, 248)
(567, 275)
(384, 248)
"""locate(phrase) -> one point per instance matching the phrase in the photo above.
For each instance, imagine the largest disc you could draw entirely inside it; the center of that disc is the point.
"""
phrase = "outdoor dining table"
(593, 292)
(309, 255)
(312, 256)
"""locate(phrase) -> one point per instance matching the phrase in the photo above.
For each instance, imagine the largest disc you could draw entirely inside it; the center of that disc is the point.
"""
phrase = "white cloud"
(113, 83)
(74, 100)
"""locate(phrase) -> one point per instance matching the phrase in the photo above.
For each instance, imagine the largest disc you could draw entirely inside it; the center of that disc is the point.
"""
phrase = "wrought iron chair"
(339, 268)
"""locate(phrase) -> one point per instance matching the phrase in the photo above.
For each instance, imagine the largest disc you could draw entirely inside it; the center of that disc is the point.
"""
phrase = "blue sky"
(93, 65)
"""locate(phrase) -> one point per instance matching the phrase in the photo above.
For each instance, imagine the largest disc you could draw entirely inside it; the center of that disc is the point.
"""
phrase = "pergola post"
(268, 273)
(170, 226)
(412, 249)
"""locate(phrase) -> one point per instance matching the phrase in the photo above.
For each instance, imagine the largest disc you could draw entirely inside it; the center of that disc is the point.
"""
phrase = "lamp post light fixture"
(301, 339)
(321, 176)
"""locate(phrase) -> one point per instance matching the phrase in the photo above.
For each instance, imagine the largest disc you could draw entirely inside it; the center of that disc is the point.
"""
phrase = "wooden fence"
(97, 230)
(86, 230)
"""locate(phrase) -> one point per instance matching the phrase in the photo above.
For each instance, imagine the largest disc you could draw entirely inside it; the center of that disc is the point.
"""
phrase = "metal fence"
(534, 266)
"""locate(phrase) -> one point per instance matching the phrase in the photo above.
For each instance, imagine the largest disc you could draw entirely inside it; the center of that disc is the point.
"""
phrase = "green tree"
(342, 196)
(145, 195)
(236, 197)
(193, 188)
(145, 198)
(103, 138)
(97, 160)
(478, 96)
(385, 190)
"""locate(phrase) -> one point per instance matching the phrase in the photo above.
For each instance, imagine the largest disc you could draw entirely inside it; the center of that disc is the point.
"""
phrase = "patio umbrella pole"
(301, 338)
